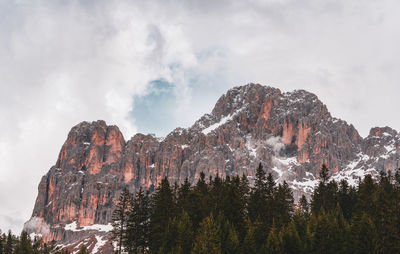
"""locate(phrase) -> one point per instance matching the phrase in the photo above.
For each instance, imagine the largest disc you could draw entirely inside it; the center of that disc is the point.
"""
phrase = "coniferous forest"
(229, 216)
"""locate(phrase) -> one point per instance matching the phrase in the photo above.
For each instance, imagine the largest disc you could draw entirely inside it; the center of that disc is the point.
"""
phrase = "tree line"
(24, 244)
(230, 216)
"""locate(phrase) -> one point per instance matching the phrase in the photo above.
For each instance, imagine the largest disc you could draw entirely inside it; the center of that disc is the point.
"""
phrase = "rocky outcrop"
(291, 134)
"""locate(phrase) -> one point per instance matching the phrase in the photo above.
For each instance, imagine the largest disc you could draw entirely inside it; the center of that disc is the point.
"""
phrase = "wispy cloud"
(62, 62)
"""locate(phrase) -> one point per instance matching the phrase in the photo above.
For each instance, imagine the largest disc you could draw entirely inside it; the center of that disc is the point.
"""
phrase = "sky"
(151, 66)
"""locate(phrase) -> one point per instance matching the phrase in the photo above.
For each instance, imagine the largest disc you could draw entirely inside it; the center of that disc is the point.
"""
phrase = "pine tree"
(178, 238)
(366, 197)
(184, 237)
(234, 204)
(363, 235)
(329, 231)
(161, 212)
(218, 195)
(258, 206)
(9, 248)
(120, 217)
(273, 243)
(232, 243)
(283, 204)
(168, 243)
(24, 245)
(138, 230)
(347, 198)
(385, 217)
(324, 174)
(228, 235)
(83, 250)
(301, 222)
(325, 195)
(207, 238)
(290, 240)
(249, 243)
(304, 207)
(200, 201)
(184, 192)
(2, 242)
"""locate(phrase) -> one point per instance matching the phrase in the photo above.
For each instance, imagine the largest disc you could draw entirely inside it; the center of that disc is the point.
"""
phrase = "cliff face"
(291, 134)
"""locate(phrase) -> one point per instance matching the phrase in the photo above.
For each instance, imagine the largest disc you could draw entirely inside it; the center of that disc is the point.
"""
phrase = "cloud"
(37, 224)
(275, 143)
(62, 62)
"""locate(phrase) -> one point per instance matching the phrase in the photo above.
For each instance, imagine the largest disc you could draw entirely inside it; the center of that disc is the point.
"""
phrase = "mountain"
(292, 134)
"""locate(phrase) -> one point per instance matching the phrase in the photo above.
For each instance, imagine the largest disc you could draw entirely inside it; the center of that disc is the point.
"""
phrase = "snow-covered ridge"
(223, 120)
(216, 125)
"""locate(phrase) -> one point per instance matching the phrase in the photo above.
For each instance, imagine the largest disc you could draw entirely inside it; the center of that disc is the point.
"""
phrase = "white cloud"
(275, 143)
(62, 62)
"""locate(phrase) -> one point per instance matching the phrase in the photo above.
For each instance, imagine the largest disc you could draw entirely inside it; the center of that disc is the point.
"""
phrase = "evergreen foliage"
(228, 216)
(23, 244)
(83, 250)
(120, 218)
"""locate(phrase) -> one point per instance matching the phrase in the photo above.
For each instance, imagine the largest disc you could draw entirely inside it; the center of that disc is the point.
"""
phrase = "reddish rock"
(248, 125)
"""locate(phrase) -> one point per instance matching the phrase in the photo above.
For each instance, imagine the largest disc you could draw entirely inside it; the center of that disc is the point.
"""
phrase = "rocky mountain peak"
(292, 134)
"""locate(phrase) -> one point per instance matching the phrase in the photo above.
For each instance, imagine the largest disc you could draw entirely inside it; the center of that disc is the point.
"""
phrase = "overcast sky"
(150, 66)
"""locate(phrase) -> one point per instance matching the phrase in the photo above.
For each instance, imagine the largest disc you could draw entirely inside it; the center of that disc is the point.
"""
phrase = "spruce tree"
(304, 207)
(283, 204)
(249, 242)
(207, 238)
(200, 201)
(347, 198)
(290, 240)
(162, 211)
(324, 174)
(366, 197)
(120, 217)
(185, 236)
(363, 235)
(324, 196)
(385, 217)
(184, 192)
(2, 242)
(9, 248)
(83, 250)
(258, 206)
(138, 230)
(329, 234)
(273, 243)
(24, 245)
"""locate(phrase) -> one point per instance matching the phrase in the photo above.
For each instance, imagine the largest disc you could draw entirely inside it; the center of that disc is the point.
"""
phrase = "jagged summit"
(292, 134)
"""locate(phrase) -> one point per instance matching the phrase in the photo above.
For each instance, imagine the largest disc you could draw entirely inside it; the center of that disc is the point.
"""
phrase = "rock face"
(292, 134)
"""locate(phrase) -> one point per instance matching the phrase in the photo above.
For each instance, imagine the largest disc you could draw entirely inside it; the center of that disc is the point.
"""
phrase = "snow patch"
(214, 126)
(277, 170)
(251, 147)
(98, 227)
(223, 120)
(33, 235)
(352, 176)
(390, 148)
(99, 243)
(306, 186)
(287, 161)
